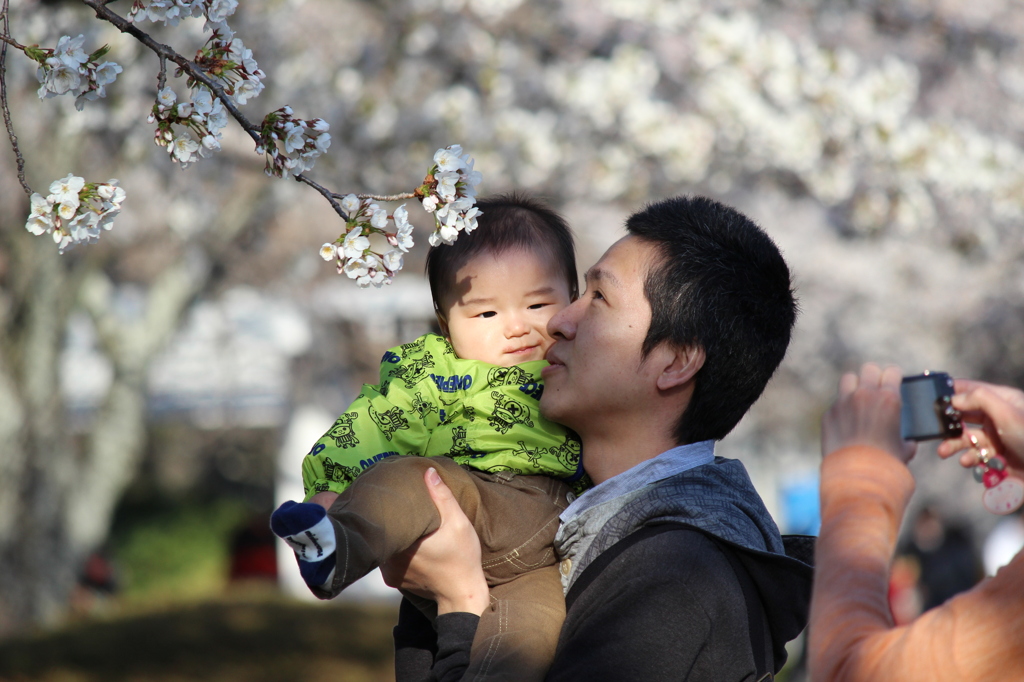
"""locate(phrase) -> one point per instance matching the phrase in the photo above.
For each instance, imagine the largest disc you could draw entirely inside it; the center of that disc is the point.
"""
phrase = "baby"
(466, 404)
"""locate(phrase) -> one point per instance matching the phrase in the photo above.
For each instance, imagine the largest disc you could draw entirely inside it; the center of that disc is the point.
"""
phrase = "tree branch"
(165, 52)
(387, 197)
(3, 99)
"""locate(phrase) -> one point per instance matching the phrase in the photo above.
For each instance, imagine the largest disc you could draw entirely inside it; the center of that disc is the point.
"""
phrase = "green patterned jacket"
(432, 403)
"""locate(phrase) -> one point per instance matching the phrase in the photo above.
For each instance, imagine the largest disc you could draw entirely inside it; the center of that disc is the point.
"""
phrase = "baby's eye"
(489, 313)
(538, 306)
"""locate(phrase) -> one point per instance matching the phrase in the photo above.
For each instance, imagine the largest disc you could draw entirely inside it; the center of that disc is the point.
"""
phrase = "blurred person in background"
(865, 488)
(947, 562)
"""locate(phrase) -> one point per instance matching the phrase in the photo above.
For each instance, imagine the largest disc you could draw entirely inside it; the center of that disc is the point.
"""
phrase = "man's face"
(596, 370)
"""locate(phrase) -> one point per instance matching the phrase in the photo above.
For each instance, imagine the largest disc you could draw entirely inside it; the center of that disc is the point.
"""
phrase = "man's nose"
(562, 324)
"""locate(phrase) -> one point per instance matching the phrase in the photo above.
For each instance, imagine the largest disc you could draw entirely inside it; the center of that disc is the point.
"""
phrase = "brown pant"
(388, 508)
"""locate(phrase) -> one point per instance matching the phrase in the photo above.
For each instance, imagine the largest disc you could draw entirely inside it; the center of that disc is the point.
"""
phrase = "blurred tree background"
(157, 386)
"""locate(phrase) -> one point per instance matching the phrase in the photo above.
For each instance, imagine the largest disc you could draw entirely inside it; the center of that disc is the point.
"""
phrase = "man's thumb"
(439, 492)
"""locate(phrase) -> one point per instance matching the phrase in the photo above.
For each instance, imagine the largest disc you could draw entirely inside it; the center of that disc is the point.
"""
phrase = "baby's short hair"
(507, 222)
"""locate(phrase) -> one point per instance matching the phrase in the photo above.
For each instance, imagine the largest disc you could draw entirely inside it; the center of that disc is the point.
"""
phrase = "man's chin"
(551, 406)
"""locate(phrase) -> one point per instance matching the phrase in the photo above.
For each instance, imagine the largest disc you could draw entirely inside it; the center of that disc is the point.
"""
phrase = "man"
(672, 567)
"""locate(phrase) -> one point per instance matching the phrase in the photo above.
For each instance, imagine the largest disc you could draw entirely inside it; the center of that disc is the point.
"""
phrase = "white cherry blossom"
(106, 73)
(329, 251)
(246, 90)
(202, 100)
(69, 50)
(446, 185)
(184, 149)
(67, 211)
(379, 218)
(393, 260)
(355, 244)
(39, 224)
(61, 79)
(449, 159)
(294, 137)
(356, 268)
(65, 190)
(219, 10)
(350, 204)
(166, 98)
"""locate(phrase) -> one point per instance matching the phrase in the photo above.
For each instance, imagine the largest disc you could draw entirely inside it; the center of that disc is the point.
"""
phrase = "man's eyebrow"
(598, 274)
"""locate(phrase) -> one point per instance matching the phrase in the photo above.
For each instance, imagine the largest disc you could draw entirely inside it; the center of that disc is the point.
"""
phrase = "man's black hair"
(721, 284)
(507, 222)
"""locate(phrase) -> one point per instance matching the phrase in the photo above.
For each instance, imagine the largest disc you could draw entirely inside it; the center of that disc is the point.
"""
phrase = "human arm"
(865, 488)
(423, 653)
(445, 567)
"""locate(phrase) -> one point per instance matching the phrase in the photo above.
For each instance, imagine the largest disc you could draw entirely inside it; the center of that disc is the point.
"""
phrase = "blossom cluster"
(353, 251)
(68, 69)
(291, 144)
(203, 115)
(229, 63)
(172, 11)
(74, 211)
(449, 192)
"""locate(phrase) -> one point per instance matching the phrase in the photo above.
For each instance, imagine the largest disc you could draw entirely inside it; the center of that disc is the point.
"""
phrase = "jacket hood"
(719, 500)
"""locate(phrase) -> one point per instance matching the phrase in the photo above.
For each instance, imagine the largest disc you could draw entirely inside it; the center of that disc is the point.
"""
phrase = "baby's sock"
(306, 528)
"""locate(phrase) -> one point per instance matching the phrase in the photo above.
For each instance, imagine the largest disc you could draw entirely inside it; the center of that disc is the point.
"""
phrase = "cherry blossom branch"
(6, 38)
(383, 197)
(165, 52)
(168, 53)
(75, 211)
(161, 78)
(3, 98)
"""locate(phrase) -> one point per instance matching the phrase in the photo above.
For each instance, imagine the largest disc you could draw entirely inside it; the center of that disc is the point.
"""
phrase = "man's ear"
(443, 324)
(683, 364)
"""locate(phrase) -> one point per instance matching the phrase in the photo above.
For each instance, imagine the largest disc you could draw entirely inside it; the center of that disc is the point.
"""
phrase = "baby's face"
(499, 309)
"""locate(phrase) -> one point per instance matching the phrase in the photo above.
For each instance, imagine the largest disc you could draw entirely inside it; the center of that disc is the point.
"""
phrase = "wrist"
(473, 600)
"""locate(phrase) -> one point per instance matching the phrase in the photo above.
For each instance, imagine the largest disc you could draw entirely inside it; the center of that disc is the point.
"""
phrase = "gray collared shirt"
(669, 463)
(582, 519)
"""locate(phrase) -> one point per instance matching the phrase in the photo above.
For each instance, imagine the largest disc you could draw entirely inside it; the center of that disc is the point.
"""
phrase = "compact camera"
(928, 411)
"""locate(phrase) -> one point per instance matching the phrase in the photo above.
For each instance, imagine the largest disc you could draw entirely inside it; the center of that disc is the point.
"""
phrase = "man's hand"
(999, 411)
(867, 412)
(445, 565)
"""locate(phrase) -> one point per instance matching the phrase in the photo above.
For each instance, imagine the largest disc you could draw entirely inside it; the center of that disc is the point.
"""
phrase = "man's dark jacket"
(690, 580)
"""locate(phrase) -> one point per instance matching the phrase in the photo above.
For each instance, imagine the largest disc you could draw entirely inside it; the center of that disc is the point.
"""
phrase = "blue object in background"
(801, 511)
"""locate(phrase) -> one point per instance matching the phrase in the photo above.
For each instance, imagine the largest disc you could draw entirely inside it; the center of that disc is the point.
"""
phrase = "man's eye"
(489, 313)
(597, 295)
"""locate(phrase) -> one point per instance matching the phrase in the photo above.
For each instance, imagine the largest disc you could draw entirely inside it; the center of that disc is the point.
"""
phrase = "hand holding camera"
(999, 412)
(867, 412)
(933, 406)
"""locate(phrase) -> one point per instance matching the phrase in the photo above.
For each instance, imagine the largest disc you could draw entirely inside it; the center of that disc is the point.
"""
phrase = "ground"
(250, 638)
